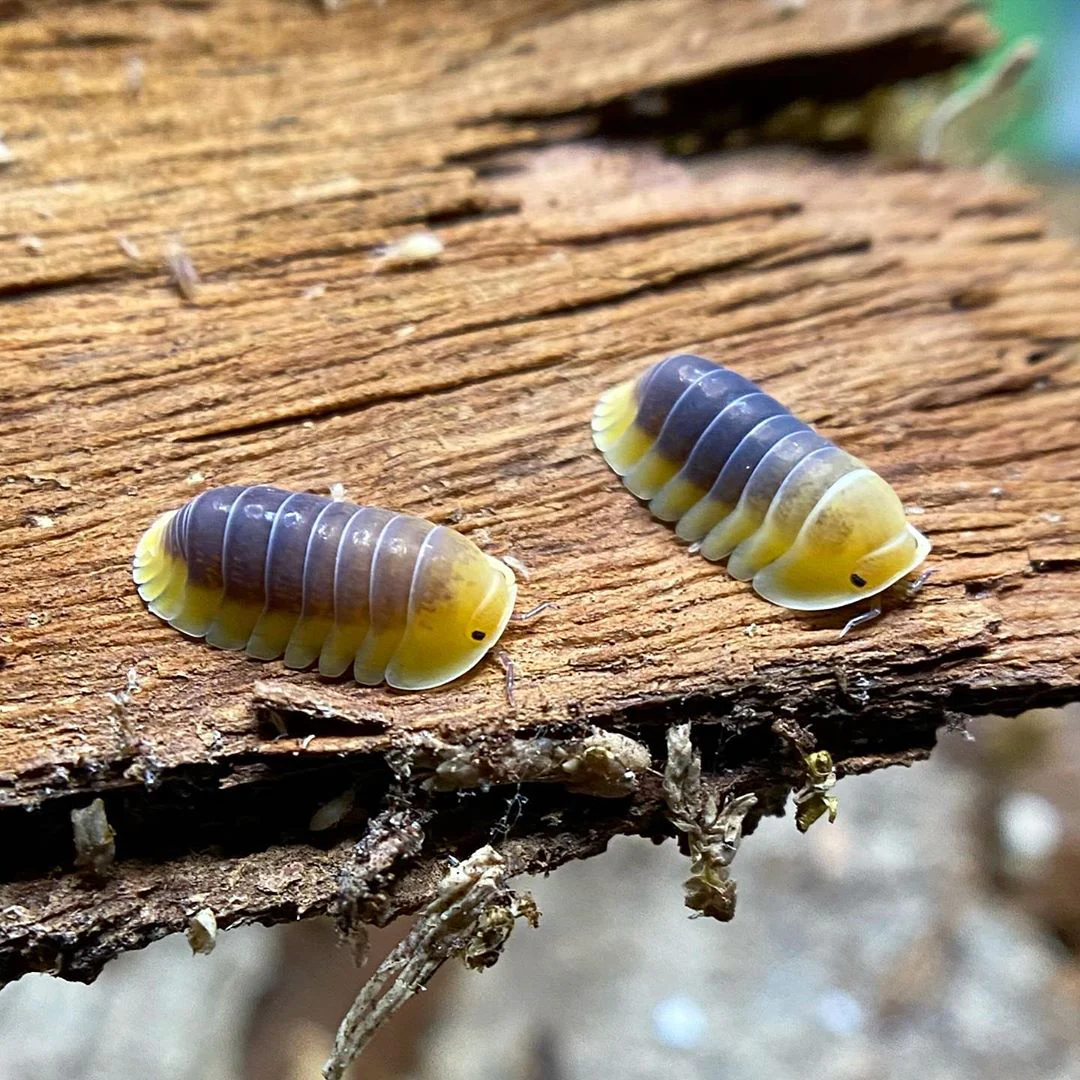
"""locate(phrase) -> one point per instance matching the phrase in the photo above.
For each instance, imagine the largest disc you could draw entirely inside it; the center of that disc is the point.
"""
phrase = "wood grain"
(925, 320)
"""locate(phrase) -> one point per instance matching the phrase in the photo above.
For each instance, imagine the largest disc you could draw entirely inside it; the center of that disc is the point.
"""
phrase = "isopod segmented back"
(318, 580)
(808, 524)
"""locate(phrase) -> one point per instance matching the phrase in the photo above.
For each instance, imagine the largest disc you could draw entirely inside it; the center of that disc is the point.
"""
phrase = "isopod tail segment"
(744, 480)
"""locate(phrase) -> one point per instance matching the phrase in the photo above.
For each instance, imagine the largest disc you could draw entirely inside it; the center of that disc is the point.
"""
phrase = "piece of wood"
(926, 320)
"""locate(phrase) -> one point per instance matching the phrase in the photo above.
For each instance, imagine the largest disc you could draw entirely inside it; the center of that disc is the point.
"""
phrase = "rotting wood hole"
(1065, 564)
(189, 811)
(299, 724)
(712, 108)
(256, 802)
(194, 813)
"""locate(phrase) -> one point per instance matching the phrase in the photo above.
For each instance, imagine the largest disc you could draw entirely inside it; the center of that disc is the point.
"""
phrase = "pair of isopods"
(399, 600)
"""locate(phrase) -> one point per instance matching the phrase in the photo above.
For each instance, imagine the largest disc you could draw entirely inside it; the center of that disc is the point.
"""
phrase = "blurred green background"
(1045, 133)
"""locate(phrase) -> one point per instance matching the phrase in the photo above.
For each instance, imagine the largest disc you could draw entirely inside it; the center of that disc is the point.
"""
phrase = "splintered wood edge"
(135, 903)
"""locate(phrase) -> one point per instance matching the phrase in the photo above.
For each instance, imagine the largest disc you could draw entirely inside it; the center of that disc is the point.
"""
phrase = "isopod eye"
(478, 635)
(858, 581)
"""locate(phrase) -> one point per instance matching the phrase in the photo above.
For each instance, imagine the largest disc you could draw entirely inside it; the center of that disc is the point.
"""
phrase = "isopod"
(318, 580)
(810, 526)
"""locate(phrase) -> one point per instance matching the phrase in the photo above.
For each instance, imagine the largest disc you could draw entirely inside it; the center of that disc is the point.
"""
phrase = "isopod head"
(855, 544)
(467, 600)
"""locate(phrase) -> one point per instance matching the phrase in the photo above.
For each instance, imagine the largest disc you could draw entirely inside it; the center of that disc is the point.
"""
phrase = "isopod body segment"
(809, 525)
(275, 573)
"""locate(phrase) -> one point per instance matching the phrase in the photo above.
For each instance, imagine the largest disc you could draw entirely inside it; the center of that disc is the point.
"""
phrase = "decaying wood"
(926, 320)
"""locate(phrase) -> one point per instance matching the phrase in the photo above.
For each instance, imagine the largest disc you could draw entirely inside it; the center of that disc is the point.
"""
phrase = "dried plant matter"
(602, 763)
(391, 840)
(968, 100)
(182, 272)
(471, 916)
(712, 834)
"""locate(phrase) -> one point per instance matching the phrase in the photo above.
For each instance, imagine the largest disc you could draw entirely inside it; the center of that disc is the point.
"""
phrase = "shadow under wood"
(743, 100)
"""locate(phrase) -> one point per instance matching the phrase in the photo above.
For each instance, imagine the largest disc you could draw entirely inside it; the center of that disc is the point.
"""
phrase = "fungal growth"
(321, 581)
(743, 479)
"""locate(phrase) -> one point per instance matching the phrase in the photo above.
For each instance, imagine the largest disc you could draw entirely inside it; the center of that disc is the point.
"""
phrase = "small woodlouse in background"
(273, 572)
(809, 525)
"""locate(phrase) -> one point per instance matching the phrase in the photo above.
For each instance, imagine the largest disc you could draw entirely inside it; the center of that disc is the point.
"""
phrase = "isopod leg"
(507, 665)
(532, 613)
(859, 620)
(910, 588)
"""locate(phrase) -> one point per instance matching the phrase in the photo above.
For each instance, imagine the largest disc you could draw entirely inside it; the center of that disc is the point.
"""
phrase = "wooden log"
(924, 319)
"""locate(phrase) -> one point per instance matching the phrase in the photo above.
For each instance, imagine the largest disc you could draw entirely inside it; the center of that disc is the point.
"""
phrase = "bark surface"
(925, 320)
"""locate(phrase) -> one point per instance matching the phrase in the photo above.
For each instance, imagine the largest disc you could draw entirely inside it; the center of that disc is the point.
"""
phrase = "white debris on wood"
(182, 272)
(333, 812)
(471, 916)
(416, 249)
(128, 247)
(313, 292)
(95, 841)
(337, 491)
(202, 932)
(134, 76)
(121, 699)
(6, 156)
(31, 244)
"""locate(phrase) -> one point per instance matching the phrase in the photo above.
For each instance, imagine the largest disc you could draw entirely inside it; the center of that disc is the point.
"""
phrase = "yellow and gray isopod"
(317, 580)
(809, 525)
